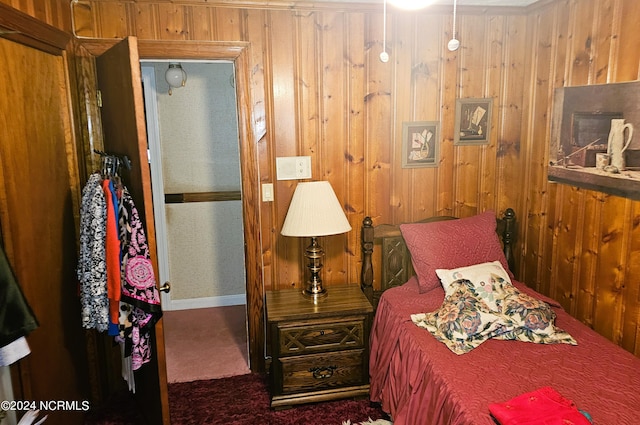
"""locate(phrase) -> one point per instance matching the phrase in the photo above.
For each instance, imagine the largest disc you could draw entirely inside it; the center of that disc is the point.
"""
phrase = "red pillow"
(451, 244)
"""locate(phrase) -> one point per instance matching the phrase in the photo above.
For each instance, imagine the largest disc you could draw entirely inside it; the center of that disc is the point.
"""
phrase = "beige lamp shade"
(315, 211)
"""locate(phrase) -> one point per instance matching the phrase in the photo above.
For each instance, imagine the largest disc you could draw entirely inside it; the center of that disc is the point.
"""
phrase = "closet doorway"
(196, 183)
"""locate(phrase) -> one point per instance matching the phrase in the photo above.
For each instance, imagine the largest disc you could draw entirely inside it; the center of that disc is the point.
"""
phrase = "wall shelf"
(625, 184)
(581, 115)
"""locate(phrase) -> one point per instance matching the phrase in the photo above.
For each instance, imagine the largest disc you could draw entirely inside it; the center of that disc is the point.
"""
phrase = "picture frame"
(473, 121)
(420, 144)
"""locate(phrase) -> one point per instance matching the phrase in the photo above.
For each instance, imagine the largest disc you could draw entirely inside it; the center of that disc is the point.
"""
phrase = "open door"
(123, 122)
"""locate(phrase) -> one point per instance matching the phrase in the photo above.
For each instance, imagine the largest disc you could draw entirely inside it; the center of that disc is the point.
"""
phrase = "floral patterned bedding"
(473, 313)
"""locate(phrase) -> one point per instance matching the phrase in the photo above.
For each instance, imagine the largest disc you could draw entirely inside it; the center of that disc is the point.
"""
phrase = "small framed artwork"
(420, 144)
(473, 121)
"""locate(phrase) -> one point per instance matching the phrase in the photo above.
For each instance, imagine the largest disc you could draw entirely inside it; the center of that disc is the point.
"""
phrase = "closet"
(38, 204)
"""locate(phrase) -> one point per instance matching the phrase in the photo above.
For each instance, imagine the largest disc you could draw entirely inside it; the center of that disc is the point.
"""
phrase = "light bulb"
(175, 75)
(411, 4)
(453, 44)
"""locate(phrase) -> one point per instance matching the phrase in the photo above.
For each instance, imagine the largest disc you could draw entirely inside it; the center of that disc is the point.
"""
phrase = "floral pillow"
(488, 280)
(464, 320)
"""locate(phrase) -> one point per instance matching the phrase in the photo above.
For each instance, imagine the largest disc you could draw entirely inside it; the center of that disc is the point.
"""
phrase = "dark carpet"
(237, 400)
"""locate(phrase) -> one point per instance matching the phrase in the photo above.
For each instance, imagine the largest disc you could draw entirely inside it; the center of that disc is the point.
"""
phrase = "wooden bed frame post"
(509, 236)
(366, 274)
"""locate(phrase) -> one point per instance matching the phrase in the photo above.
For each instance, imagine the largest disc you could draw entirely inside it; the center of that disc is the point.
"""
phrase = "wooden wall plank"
(630, 340)
(331, 143)
(405, 36)
(604, 41)
(626, 60)
(323, 82)
(284, 53)
(427, 104)
(509, 115)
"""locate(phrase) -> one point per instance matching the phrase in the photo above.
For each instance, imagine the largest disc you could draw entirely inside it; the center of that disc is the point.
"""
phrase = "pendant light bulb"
(411, 4)
(454, 43)
(384, 56)
(175, 76)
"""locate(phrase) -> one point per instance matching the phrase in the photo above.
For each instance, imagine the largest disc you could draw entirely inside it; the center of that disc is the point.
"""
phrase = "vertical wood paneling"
(450, 71)
(604, 41)
(404, 37)
(355, 166)
(509, 114)
(53, 12)
(427, 92)
(284, 53)
(630, 329)
(227, 24)
(593, 236)
(201, 23)
(581, 38)
(535, 151)
(380, 130)
(327, 95)
(332, 141)
(626, 60)
(172, 22)
(473, 83)
(486, 195)
(146, 24)
(258, 33)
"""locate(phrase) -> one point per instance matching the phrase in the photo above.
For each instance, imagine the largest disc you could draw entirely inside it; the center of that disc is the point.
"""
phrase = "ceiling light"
(411, 4)
(176, 76)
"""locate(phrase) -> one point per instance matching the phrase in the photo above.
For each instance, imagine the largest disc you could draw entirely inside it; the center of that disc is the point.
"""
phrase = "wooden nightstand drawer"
(317, 351)
(327, 335)
(323, 371)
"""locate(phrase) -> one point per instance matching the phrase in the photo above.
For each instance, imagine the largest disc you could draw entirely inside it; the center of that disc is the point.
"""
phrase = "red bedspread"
(420, 381)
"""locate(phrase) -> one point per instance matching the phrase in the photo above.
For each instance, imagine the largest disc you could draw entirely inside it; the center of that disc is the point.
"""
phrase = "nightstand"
(318, 351)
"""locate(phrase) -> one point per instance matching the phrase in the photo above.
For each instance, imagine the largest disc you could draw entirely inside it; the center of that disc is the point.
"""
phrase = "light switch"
(267, 192)
(293, 167)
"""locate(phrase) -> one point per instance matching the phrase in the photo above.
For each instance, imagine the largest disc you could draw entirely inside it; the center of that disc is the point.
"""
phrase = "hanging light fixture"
(411, 4)
(384, 56)
(176, 76)
(454, 43)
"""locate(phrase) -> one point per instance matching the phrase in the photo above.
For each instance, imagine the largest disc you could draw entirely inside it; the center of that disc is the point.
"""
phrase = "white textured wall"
(199, 143)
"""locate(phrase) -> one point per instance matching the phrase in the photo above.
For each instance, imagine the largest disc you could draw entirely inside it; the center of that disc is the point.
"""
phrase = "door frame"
(157, 180)
(250, 134)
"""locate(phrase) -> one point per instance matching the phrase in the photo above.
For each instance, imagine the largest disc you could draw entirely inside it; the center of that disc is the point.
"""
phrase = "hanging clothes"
(112, 255)
(117, 282)
(16, 317)
(140, 307)
(92, 269)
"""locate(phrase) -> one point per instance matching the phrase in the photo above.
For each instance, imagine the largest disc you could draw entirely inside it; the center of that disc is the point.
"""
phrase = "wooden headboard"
(396, 259)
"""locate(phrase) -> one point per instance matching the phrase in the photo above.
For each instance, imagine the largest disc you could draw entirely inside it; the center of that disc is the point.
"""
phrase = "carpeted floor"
(237, 400)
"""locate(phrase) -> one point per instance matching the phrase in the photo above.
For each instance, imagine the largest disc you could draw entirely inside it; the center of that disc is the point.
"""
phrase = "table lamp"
(314, 211)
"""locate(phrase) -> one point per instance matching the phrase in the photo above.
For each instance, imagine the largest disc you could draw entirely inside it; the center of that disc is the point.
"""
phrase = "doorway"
(196, 182)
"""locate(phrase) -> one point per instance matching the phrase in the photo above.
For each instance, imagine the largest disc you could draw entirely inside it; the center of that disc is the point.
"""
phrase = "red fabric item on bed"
(544, 406)
(420, 381)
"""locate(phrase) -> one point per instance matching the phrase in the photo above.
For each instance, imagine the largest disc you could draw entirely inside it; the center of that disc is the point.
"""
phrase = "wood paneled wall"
(53, 12)
(581, 247)
(328, 96)
(320, 90)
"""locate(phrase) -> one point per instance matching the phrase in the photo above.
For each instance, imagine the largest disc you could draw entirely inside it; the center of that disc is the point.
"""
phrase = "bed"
(419, 380)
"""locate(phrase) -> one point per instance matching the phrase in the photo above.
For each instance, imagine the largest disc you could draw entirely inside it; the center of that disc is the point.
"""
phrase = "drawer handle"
(323, 372)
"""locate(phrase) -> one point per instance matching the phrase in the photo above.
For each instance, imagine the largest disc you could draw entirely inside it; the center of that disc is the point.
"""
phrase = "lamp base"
(314, 289)
(315, 296)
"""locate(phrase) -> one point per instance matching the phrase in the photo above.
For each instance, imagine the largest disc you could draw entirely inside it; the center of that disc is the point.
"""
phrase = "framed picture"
(473, 121)
(420, 144)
